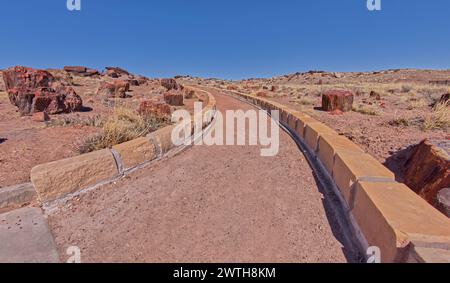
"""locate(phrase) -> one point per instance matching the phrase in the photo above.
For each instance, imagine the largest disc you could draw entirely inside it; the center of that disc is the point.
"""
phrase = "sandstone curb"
(387, 214)
(66, 177)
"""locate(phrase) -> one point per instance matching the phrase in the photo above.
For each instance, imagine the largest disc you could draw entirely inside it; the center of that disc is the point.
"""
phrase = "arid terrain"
(109, 115)
(392, 111)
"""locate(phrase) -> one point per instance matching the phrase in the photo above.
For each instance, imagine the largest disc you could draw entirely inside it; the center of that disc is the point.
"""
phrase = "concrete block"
(313, 130)
(136, 152)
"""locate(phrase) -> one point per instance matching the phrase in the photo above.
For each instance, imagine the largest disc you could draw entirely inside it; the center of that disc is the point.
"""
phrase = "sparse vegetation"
(439, 118)
(124, 125)
(95, 121)
(367, 109)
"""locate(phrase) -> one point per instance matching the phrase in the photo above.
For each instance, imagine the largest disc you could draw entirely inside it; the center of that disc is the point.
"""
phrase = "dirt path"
(208, 204)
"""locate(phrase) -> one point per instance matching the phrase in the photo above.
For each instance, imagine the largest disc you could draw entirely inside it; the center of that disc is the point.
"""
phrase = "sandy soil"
(208, 204)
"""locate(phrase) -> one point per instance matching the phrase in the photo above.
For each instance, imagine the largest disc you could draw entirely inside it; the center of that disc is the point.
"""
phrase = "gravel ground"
(207, 204)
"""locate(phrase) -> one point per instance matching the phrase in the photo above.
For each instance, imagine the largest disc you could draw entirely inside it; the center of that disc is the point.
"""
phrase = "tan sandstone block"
(136, 152)
(313, 131)
(330, 144)
(428, 255)
(391, 215)
(301, 124)
(350, 167)
(162, 139)
(59, 178)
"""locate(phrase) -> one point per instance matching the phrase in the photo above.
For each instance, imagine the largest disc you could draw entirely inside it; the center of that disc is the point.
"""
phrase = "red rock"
(133, 82)
(174, 98)
(114, 89)
(158, 109)
(75, 69)
(40, 117)
(170, 84)
(375, 95)
(232, 87)
(26, 78)
(427, 170)
(337, 100)
(37, 91)
(116, 72)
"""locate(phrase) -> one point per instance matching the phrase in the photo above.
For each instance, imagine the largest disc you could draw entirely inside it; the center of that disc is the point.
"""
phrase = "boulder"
(26, 78)
(154, 108)
(337, 100)
(427, 170)
(116, 72)
(170, 84)
(174, 98)
(37, 91)
(114, 89)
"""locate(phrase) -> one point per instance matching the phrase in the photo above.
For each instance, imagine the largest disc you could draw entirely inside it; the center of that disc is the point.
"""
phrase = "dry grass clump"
(439, 118)
(367, 109)
(95, 121)
(124, 125)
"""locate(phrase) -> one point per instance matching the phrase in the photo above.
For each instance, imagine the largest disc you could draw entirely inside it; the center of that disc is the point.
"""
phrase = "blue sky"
(226, 38)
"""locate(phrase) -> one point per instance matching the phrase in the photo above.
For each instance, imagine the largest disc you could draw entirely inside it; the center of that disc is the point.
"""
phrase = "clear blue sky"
(226, 38)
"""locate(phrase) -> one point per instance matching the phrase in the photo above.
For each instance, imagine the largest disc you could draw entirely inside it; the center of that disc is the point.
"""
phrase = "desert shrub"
(124, 125)
(406, 88)
(439, 118)
(367, 109)
(94, 121)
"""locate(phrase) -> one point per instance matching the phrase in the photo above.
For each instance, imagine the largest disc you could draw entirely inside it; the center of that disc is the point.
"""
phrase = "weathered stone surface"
(428, 169)
(136, 152)
(170, 84)
(174, 98)
(37, 91)
(391, 216)
(157, 109)
(16, 196)
(26, 78)
(330, 144)
(114, 89)
(337, 100)
(443, 201)
(59, 178)
(313, 131)
(351, 166)
(428, 255)
(26, 238)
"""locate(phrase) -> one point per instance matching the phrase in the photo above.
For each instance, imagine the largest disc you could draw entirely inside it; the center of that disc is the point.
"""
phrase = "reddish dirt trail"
(208, 204)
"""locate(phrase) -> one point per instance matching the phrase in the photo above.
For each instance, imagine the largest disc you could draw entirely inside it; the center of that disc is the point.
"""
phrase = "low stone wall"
(388, 214)
(60, 178)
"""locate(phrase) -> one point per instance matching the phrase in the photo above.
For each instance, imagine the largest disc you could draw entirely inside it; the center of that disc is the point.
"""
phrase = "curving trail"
(207, 204)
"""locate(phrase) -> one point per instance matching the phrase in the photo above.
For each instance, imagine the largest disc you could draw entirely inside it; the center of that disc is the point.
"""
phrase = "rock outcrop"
(154, 108)
(116, 89)
(174, 98)
(37, 91)
(170, 84)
